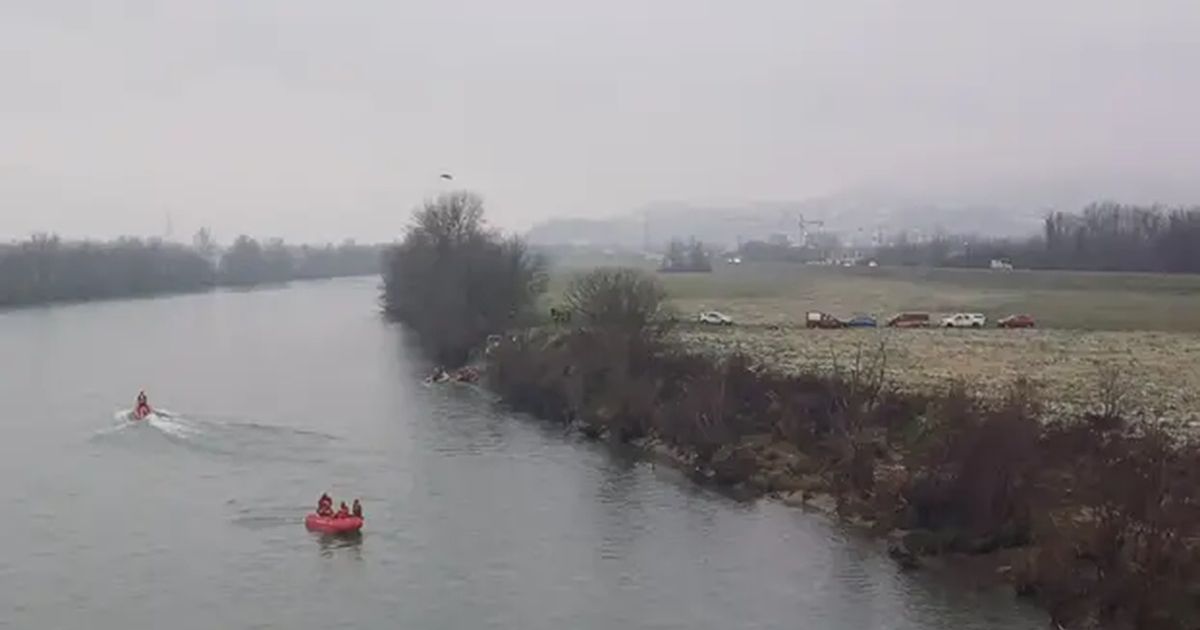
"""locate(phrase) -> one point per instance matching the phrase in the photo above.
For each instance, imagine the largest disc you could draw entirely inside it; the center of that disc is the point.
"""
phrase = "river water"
(476, 518)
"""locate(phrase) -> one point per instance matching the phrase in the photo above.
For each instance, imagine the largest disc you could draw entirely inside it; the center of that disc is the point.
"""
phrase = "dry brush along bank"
(1097, 518)
(1161, 370)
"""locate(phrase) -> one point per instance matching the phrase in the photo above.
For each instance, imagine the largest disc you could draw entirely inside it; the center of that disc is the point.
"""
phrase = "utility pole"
(804, 229)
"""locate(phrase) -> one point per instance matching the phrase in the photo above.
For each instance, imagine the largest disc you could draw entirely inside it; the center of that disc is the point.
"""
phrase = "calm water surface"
(475, 518)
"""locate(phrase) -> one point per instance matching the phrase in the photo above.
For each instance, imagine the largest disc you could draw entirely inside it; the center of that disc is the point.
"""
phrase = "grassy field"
(1149, 325)
(781, 294)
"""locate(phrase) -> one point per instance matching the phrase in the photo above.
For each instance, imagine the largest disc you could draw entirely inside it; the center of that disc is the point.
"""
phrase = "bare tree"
(456, 282)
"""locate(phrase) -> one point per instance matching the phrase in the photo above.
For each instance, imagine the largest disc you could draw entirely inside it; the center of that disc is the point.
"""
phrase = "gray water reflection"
(475, 518)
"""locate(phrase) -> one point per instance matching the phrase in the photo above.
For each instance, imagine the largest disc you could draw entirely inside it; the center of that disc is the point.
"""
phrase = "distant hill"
(620, 232)
(853, 217)
(986, 208)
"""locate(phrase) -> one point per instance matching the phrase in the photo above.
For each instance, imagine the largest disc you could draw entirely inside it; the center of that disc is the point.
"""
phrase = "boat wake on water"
(270, 517)
(161, 419)
(221, 435)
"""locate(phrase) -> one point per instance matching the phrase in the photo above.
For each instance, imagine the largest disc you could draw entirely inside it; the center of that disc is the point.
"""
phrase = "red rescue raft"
(141, 413)
(332, 525)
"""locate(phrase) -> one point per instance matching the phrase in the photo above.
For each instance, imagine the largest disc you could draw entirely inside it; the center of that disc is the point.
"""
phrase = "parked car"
(909, 320)
(1017, 321)
(964, 320)
(817, 319)
(715, 318)
(862, 321)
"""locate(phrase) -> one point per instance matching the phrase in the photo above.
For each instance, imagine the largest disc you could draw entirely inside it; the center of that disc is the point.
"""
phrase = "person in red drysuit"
(143, 405)
(343, 511)
(325, 506)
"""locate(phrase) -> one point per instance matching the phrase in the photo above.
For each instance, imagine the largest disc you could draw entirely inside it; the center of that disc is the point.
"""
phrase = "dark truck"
(909, 320)
(1017, 321)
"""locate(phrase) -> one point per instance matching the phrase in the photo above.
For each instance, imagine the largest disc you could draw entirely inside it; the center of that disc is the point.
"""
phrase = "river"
(476, 518)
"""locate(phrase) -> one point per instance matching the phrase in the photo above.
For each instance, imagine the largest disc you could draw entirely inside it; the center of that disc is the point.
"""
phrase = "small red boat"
(332, 524)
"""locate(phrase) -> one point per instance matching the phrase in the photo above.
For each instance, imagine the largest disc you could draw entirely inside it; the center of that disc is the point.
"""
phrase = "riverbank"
(1091, 516)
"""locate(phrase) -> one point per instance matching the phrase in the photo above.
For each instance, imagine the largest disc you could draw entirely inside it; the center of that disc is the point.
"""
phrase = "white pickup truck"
(964, 320)
(715, 318)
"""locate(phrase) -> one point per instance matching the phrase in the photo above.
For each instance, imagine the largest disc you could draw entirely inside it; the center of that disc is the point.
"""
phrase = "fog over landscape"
(773, 314)
(315, 120)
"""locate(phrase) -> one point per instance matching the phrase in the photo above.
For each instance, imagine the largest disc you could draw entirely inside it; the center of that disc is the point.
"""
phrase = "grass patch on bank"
(1147, 323)
(780, 293)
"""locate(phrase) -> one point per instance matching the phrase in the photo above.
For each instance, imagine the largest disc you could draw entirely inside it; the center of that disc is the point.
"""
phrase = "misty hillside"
(1000, 209)
(854, 217)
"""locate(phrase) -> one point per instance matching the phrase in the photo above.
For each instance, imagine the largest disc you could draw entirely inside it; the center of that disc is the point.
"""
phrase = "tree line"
(45, 268)
(1101, 237)
(689, 256)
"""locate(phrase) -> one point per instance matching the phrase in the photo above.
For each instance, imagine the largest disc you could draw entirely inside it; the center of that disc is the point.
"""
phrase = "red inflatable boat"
(331, 525)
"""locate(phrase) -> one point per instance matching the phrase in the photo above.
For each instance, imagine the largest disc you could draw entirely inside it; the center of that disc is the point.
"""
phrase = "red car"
(909, 320)
(1016, 321)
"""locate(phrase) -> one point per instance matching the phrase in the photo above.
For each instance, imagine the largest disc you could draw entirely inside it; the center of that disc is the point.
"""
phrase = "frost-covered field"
(1160, 370)
(1146, 325)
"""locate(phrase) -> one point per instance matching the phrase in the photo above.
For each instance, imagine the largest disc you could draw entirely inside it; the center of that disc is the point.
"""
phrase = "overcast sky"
(318, 120)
